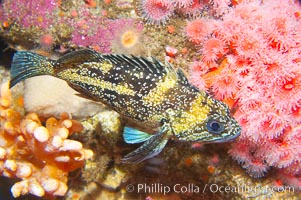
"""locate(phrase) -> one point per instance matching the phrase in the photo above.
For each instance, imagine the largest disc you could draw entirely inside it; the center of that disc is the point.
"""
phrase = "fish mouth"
(230, 138)
(226, 139)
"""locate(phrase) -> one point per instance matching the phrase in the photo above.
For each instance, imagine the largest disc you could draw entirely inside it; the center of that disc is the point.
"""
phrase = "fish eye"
(215, 126)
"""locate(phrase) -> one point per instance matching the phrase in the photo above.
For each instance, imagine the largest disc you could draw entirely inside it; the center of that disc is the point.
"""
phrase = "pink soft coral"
(259, 45)
(100, 33)
(36, 13)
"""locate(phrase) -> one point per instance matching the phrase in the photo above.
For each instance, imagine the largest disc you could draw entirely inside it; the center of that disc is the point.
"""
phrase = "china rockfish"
(151, 94)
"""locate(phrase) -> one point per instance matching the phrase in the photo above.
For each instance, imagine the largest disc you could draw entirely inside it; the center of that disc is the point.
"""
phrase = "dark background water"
(6, 53)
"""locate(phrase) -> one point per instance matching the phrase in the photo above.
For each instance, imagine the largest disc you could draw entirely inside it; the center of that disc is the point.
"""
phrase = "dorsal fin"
(183, 79)
(78, 57)
(153, 66)
(181, 76)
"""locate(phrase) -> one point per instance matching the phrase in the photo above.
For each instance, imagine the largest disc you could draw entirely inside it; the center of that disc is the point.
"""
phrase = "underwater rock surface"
(49, 96)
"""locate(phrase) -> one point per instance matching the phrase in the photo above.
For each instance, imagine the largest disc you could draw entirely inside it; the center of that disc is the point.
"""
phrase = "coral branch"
(41, 156)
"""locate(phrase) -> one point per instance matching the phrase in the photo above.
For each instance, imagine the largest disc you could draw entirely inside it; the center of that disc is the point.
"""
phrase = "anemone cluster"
(250, 58)
(160, 11)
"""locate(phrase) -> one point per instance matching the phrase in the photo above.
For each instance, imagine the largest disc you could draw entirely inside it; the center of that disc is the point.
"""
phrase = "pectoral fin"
(133, 136)
(152, 147)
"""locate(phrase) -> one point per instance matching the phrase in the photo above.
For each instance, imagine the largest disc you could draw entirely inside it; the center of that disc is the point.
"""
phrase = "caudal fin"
(26, 64)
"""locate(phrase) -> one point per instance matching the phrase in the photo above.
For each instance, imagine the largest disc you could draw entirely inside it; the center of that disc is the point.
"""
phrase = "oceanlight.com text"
(160, 188)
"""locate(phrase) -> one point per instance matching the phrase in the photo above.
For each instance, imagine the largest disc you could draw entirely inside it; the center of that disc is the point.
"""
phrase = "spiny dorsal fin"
(181, 76)
(152, 66)
(124, 61)
(183, 79)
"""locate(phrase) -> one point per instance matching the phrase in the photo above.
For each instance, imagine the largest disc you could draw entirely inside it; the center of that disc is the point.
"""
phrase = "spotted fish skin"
(131, 86)
(151, 94)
